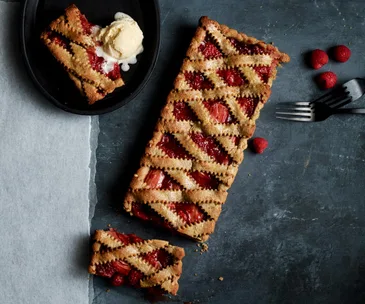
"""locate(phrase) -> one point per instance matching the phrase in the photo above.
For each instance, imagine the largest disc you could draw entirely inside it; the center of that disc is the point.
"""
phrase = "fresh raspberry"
(326, 80)
(318, 59)
(117, 280)
(259, 144)
(341, 53)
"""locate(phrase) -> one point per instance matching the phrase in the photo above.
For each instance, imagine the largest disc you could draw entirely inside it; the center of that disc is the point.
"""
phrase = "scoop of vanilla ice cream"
(122, 39)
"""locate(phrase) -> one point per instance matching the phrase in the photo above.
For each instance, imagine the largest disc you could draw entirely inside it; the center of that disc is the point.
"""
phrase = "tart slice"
(128, 259)
(198, 143)
(71, 41)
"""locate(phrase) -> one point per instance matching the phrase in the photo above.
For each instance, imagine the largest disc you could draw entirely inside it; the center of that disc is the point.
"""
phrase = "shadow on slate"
(162, 89)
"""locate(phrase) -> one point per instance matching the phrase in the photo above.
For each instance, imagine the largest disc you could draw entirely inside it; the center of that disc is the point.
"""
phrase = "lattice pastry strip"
(71, 41)
(128, 259)
(194, 154)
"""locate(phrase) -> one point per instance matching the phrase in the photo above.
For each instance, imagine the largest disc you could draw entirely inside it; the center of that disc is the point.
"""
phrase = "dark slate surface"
(292, 230)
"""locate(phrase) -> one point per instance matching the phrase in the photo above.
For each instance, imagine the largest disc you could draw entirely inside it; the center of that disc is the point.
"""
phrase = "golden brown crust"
(72, 54)
(230, 137)
(106, 249)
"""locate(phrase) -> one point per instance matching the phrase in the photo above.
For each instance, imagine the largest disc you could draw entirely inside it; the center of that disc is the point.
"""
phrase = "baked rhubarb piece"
(127, 259)
(198, 143)
(71, 40)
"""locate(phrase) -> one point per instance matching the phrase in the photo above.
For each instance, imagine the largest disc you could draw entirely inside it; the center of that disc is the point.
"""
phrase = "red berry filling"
(235, 140)
(157, 179)
(247, 49)
(172, 147)
(248, 105)
(97, 62)
(264, 72)
(118, 280)
(209, 146)
(159, 258)
(126, 239)
(190, 213)
(134, 278)
(209, 49)
(232, 77)
(145, 213)
(86, 25)
(219, 111)
(204, 180)
(197, 81)
(183, 112)
(58, 39)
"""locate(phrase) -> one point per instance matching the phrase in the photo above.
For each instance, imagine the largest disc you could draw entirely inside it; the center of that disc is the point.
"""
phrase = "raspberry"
(341, 53)
(259, 144)
(117, 280)
(318, 59)
(326, 80)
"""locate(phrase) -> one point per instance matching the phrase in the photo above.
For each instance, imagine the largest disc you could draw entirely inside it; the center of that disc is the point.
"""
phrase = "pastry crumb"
(108, 290)
(109, 225)
(220, 278)
(195, 274)
(204, 247)
(196, 250)
(198, 244)
(135, 175)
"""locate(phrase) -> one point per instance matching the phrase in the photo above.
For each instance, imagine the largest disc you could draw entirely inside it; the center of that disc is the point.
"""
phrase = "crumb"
(135, 175)
(108, 290)
(196, 250)
(204, 247)
(249, 174)
(198, 244)
(109, 225)
(220, 278)
(195, 274)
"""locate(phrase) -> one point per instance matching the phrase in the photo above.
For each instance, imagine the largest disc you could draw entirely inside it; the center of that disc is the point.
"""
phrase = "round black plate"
(52, 80)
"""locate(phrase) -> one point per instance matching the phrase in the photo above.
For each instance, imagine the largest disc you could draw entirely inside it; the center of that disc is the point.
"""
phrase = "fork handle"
(350, 111)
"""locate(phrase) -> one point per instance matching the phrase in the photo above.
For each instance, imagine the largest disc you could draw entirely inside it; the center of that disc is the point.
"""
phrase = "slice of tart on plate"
(127, 259)
(197, 146)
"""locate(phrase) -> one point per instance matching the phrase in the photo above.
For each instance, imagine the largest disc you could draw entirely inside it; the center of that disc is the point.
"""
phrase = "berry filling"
(205, 180)
(198, 81)
(183, 112)
(97, 62)
(58, 39)
(264, 72)
(235, 140)
(218, 110)
(247, 49)
(126, 239)
(159, 259)
(210, 147)
(190, 213)
(172, 147)
(157, 179)
(248, 105)
(86, 25)
(232, 77)
(145, 213)
(209, 50)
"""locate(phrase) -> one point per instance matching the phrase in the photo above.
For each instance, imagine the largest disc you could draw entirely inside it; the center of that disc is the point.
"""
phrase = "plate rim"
(112, 108)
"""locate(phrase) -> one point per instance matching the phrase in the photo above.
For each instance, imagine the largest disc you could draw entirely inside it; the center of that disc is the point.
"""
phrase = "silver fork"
(344, 94)
(309, 112)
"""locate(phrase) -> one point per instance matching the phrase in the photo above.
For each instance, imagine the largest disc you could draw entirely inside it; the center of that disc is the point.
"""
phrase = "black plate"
(48, 74)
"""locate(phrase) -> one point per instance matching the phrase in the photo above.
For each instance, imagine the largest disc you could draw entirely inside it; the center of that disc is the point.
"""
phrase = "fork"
(310, 112)
(342, 95)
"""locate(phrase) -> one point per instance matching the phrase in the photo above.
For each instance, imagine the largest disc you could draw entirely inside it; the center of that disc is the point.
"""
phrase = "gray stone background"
(292, 230)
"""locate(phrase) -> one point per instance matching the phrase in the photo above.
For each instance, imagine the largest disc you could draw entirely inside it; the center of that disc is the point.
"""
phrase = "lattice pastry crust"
(109, 248)
(198, 143)
(69, 38)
